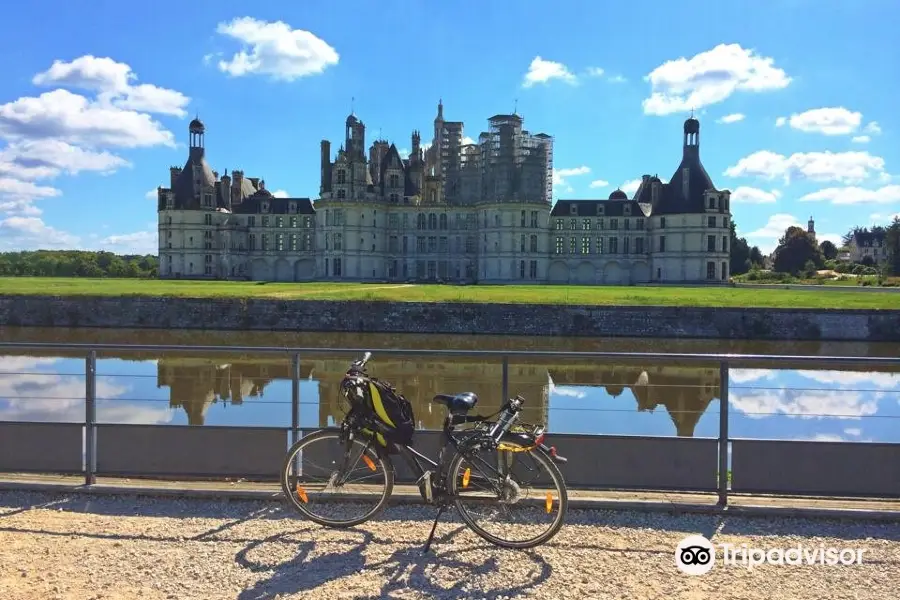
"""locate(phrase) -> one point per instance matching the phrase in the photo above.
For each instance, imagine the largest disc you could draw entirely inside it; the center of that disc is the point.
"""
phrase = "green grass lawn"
(543, 294)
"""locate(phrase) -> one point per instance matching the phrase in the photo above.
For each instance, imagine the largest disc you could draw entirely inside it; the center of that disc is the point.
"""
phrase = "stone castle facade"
(478, 212)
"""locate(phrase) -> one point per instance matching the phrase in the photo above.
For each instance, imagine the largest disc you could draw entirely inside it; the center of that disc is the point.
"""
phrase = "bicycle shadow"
(404, 569)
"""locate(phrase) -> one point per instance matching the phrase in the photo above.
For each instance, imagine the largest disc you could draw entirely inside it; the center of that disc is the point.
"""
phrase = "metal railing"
(879, 481)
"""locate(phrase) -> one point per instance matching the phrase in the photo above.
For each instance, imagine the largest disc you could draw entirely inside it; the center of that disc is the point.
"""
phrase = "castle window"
(626, 245)
(342, 194)
(207, 219)
(432, 221)
(573, 210)
(523, 219)
(265, 221)
(532, 269)
(338, 241)
(585, 245)
(724, 271)
(710, 221)
(207, 200)
(341, 176)
(293, 222)
(573, 245)
(292, 207)
(265, 207)
(639, 245)
(394, 180)
(710, 243)
(600, 224)
(534, 243)
(279, 221)
(279, 242)
(613, 245)
(443, 222)
(395, 198)
(712, 202)
(599, 209)
(265, 242)
(627, 223)
(614, 224)
(599, 245)
(534, 218)
(252, 243)
(522, 243)
(293, 242)
(336, 265)
(573, 224)
(662, 243)
(724, 243)
(662, 222)
(586, 224)
(522, 269)
(710, 270)
(559, 245)
(639, 224)
(559, 224)
(420, 221)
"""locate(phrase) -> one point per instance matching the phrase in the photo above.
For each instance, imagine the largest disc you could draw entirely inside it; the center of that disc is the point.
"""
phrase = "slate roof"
(277, 206)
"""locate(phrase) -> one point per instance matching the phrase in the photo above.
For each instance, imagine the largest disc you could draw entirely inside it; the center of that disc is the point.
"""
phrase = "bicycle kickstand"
(433, 529)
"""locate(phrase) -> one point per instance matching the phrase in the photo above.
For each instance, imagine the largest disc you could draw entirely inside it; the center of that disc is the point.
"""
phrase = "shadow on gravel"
(240, 510)
(405, 569)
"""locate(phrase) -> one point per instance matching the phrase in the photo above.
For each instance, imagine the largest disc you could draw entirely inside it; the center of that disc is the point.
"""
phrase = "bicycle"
(442, 482)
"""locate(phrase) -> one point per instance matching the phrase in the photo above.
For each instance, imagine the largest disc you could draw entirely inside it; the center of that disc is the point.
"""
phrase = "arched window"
(443, 221)
(432, 221)
(420, 221)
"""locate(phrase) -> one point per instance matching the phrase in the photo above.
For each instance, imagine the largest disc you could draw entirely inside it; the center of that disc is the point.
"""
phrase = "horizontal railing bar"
(678, 357)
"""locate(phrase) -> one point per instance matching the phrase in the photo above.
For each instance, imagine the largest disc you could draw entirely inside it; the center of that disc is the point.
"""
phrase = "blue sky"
(796, 99)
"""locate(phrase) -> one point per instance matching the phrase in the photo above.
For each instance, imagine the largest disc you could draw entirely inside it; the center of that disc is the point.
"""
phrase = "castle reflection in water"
(196, 383)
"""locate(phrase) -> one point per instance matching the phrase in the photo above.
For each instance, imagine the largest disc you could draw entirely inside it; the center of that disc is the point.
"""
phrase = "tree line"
(77, 263)
(798, 253)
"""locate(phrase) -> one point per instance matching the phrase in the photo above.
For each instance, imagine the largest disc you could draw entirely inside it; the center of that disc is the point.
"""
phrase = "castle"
(477, 212)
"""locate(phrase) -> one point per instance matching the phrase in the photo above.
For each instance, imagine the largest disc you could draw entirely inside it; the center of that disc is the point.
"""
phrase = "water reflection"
(572, 396)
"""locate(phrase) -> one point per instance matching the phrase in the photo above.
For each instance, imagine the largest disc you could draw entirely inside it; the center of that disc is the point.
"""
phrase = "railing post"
(505, 380)
(90, 418)
(723, 433)
(295, 398)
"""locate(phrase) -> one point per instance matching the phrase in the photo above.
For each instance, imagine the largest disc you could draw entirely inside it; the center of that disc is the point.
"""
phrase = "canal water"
(771, 401)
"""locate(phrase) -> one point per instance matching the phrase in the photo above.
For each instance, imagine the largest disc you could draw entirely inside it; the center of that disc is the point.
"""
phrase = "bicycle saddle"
(457, 403)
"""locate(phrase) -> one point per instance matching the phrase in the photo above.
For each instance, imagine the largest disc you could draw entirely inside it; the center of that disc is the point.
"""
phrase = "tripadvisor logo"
(696, 555)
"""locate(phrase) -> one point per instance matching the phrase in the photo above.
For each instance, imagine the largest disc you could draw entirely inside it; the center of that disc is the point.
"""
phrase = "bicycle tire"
(321, 434)
(546, 461)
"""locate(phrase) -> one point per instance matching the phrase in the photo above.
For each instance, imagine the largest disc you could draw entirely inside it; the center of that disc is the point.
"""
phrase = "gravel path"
(83, 547)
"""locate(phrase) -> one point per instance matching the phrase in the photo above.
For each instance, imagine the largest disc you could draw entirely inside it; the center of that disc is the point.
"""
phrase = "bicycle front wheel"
(513, 497)
(335, 483)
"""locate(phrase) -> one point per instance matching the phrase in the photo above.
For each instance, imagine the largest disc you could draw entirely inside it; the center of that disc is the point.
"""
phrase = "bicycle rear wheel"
(526, 487)
(317, 467)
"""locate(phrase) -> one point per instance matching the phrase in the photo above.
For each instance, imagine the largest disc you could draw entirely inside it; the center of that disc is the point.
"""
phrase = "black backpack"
(392, 409)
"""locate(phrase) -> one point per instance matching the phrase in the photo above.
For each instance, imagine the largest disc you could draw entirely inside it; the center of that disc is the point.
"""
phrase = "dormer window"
(573, 209)
(627, 210)
(265, 207)
(600, 209)
(170, 202)
(292, 207)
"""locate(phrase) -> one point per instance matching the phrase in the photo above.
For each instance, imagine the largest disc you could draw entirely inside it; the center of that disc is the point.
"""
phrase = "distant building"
(480, 212)
(868, 243)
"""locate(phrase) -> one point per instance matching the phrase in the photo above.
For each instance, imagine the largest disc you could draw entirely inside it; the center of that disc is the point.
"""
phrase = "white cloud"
(855, 195)
(276, 50)
(844, 167)
(64, 116)
(559, 175)
(873, 127)
(732, 118)
(853, 378)
(139, 242)
(880, 218)
(853, 431)
(598, 183)
(152, 194)
(709, 78)
(47, 158)
(113, 82)
(281, 194)
(828, 121)
(767, 236)
(467, 140)
(752, 195)
(31, 233)
(804, 404)
(616, 79)
(542, 71)
(595, 72)
(630, 186)
(861, 139)
(749, 375)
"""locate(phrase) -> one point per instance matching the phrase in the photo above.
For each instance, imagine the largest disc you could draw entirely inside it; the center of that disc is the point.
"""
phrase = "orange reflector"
(549, 502)
(301, 493)
(466, 476)
(369, 462)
